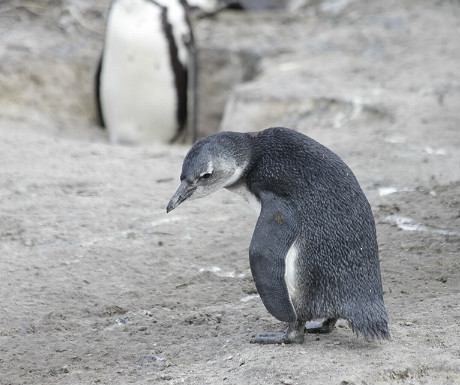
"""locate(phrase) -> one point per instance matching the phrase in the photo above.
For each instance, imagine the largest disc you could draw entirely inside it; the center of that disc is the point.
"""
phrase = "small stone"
(29, 242)
(122, 321)
(287, 381)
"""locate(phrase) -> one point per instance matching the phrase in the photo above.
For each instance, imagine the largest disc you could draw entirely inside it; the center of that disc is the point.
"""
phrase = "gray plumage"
(314, 250)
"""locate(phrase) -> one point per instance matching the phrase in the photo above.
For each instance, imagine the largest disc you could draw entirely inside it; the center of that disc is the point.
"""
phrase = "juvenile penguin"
(146, 79)
(314, 252)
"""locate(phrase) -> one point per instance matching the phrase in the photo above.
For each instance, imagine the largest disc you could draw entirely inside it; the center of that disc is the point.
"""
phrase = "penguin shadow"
(342, 337)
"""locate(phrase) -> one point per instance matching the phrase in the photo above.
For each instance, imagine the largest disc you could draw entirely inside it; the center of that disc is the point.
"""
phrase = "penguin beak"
(184, 192)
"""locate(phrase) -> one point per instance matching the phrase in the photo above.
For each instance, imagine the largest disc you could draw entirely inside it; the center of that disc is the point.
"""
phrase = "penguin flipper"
(275, 232)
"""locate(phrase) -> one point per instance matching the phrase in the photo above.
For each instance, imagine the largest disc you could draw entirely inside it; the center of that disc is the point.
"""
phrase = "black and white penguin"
(146, 80)
(314, 252)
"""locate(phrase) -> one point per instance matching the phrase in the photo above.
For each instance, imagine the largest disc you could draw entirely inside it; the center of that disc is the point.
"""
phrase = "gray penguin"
(314, 252)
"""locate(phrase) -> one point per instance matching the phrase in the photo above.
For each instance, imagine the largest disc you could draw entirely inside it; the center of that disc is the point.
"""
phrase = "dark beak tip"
(183, 193)
(170, 207)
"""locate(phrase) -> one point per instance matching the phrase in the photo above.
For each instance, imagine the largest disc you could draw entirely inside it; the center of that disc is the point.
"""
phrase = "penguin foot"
(320, 326)
(294, 335)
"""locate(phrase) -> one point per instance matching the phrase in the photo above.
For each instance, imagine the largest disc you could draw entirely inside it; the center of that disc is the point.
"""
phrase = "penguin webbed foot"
(294, 335)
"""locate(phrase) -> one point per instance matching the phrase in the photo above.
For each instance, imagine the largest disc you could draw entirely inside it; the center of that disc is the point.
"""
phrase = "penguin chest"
(137, 84)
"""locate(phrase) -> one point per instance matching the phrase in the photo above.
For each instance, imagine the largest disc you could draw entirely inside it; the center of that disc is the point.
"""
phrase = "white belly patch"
(290, 270)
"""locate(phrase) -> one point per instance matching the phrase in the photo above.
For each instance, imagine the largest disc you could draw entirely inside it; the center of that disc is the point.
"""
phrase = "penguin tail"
(372, 332)
(371, 322)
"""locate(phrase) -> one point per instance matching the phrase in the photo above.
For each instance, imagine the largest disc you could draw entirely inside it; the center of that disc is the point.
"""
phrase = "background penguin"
(314, 250)
(147, 67)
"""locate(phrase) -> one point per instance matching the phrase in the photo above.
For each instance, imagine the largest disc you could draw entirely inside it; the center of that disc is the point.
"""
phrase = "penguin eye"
(206, 175)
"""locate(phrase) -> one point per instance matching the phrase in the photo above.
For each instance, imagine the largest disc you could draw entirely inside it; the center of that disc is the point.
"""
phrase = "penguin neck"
(240, 153)
(243, 156)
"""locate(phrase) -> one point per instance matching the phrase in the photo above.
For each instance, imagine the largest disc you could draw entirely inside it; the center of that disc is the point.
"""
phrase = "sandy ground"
(99, 285)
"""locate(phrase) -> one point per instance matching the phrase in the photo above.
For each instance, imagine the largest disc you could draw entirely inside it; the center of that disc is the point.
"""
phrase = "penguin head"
(211, 164)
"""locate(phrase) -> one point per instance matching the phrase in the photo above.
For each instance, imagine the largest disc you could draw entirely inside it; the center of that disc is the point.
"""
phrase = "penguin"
(314, 253)
(147, 76)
